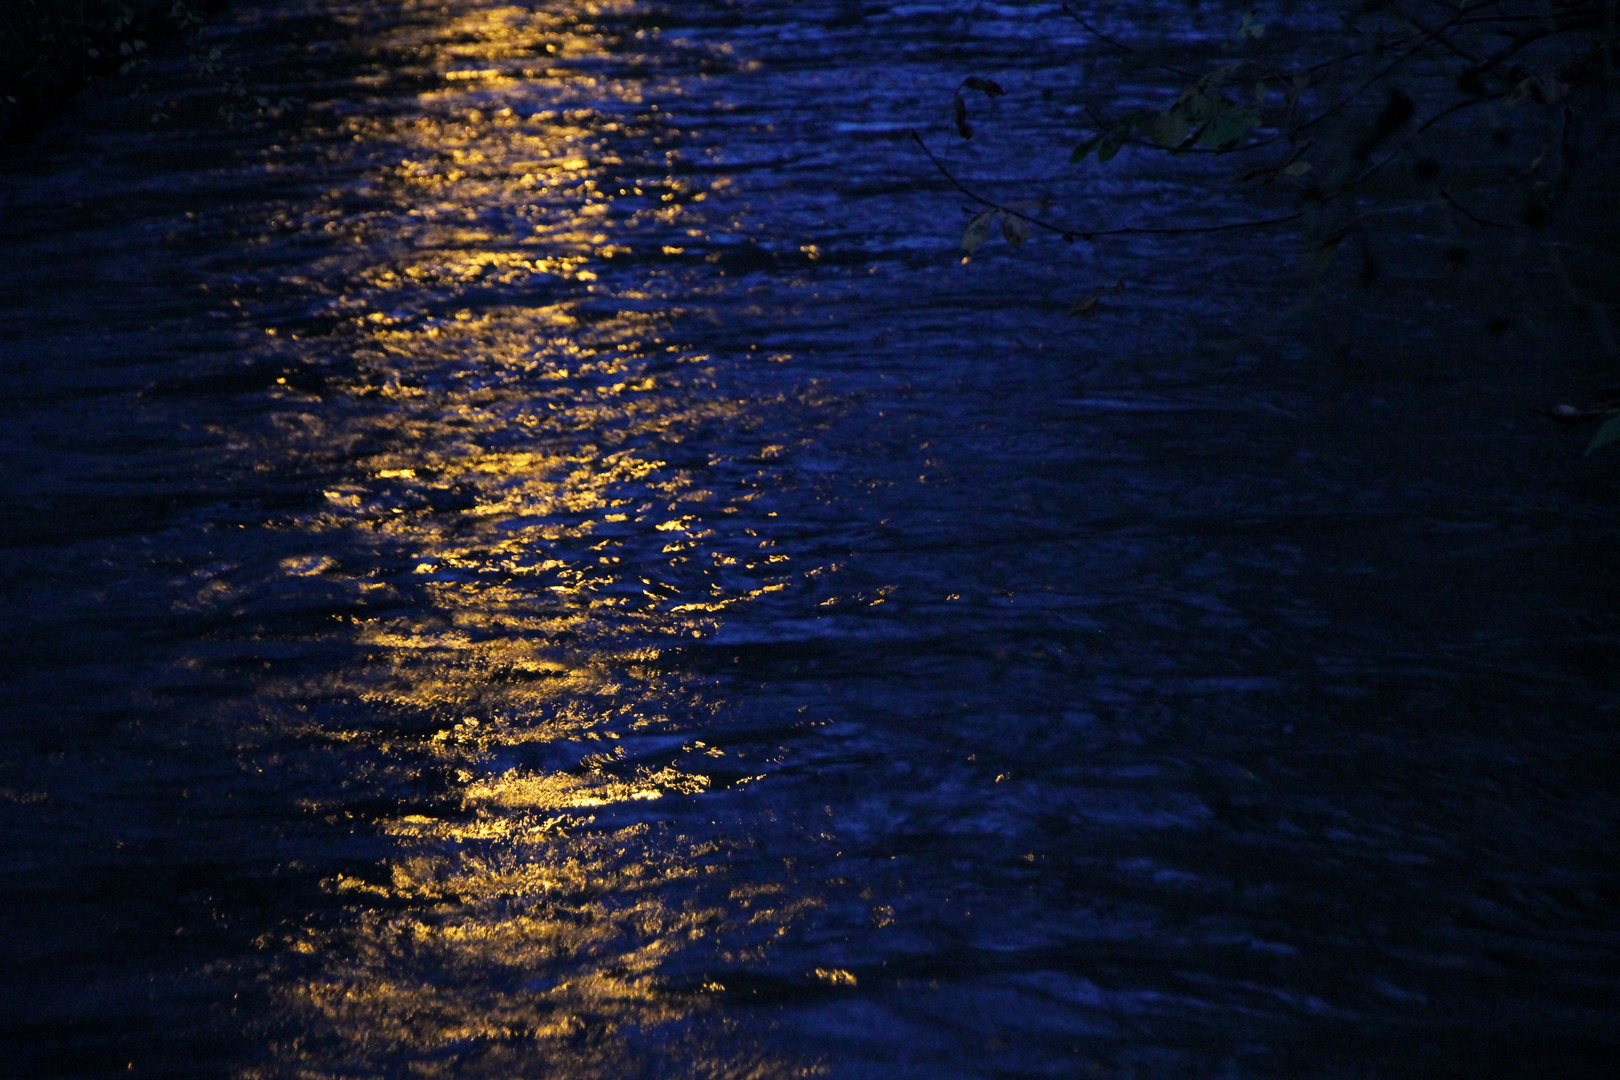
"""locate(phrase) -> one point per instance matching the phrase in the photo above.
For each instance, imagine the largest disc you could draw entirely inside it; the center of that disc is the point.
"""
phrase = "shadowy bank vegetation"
(1356, 122)
(50, 48)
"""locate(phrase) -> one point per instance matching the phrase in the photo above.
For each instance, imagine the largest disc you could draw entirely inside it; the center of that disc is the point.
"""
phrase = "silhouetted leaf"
(978, 230)
(989, 87)
(963, 128)
(1170, 129)
(1608, 433)
(1088, 146)
(1112, 143)
(1015, 229)
(1229, 125)
(1206, 86)
(1324, 252)
(1086, 307)
(1396, 111)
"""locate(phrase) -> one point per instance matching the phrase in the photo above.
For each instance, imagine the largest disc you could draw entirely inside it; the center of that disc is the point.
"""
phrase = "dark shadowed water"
(539, 559)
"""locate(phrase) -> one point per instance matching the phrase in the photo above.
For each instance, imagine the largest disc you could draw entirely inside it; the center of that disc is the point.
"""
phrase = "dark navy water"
(538, 558)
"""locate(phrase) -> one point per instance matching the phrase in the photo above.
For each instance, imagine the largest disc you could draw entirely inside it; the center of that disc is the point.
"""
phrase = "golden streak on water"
(519, 931)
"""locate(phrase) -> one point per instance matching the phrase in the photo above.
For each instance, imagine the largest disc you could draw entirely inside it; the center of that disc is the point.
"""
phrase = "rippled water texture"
(537, 558)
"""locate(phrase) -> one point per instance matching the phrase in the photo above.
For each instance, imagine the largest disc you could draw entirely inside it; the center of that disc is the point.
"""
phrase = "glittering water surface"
(539, 559)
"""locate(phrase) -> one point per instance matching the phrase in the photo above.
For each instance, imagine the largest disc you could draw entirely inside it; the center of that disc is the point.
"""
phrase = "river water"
(536, 556)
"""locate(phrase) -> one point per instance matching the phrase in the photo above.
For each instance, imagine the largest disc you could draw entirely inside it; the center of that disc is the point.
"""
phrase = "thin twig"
(1089, 234)
(1466, 103)
(1445, 193)
(1291, 132)
(1120, 45)
(1441, 38)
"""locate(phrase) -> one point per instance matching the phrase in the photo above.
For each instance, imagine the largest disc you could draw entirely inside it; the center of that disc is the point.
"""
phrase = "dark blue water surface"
(539, 558)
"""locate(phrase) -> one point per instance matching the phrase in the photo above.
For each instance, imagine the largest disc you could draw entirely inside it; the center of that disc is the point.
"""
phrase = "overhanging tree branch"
(1071, 234)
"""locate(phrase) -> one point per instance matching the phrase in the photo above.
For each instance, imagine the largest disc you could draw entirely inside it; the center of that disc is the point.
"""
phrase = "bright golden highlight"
(517, 474)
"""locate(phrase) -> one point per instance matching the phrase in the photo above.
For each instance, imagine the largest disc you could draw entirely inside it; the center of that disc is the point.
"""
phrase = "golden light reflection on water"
(514, 486)
(524, 919)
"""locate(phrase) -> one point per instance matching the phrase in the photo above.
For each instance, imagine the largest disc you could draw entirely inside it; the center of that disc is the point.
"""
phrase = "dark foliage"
(1477, 116)
(1318, 118)
(49, 48)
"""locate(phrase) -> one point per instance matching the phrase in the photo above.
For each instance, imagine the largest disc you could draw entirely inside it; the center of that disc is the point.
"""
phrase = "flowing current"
(528, 552)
